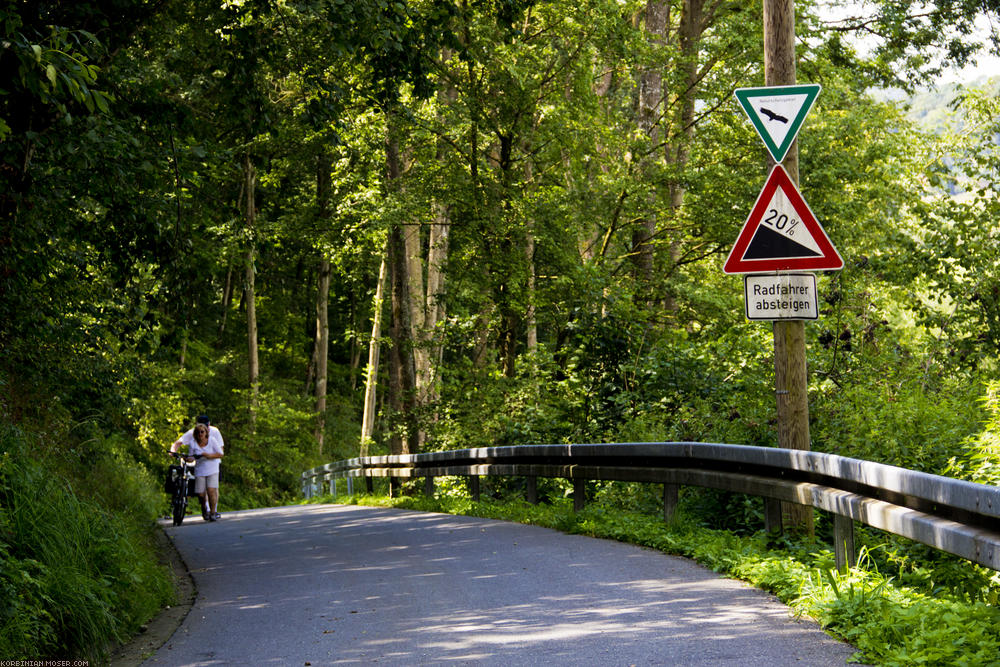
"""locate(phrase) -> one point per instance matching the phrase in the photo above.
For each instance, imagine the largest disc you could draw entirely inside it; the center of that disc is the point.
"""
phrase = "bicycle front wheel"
(180, 507)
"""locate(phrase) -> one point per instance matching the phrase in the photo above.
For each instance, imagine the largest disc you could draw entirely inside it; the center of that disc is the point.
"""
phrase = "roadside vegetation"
(79, 569)
(387, 227)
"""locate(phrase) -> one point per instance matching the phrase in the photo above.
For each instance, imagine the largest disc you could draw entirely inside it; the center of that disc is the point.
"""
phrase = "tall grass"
(78, 568)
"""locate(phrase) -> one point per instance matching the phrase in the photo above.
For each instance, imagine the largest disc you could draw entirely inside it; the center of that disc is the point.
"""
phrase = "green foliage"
(899, 420)
(268, 472)
(957, 241)
(124, 242)
(979, 460)
(894, 626)
(79, 571)
(55, 69)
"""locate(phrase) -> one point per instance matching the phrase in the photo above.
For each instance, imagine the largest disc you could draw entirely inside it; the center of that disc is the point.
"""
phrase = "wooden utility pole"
(791, 382)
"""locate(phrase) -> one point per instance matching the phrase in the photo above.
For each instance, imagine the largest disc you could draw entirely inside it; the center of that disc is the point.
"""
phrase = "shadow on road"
(345, 585)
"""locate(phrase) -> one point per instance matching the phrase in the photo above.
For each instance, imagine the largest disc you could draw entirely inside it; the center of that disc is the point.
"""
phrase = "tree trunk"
(530, 322)
(414, 296)
(371, 376)
(418, 305)
(648, 119)
(677, 149)
(437, 256)
(790, 371)
(227, 299)
(253, 361)
(402, 380)
(692, 25)
(355, 341)
(321, 344)
(434, 303)
(509, 324)
(322, 349)
(529, 319)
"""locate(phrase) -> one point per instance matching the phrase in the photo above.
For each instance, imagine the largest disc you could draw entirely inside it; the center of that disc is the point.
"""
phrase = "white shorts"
(211, 481)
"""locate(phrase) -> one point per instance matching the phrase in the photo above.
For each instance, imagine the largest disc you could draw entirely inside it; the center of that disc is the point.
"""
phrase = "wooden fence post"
(532, 492)
(843, 542)
(772, 517)
(579, 494)
(670, 497)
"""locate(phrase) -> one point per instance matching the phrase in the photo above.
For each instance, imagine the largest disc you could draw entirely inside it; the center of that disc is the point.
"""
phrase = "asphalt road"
(331, 584)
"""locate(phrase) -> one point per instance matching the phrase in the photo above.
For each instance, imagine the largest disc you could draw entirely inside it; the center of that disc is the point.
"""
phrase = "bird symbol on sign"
(773, 116)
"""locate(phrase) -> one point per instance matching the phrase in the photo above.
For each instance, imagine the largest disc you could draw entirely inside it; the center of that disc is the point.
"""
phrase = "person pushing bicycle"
(206, 440)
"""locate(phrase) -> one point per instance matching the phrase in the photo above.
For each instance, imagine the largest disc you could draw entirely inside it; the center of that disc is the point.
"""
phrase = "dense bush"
(979, 460)
(78, 567)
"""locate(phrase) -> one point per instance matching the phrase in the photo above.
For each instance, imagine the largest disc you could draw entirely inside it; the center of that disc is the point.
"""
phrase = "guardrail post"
(429, 486)
(370, 484)
(532, 492)
(579, 494)
(772, 516)
(843, 542)
(350, 486)
(670, 497)
(306, 488)
(474, 487)
(393, 487)
(333, 487)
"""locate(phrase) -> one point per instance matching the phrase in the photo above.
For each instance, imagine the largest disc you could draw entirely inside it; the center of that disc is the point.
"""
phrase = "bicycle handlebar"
(179, 455)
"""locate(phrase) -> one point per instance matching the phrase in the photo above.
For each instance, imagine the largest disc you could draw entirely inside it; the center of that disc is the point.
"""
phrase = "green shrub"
(979, 460)
(78, 573)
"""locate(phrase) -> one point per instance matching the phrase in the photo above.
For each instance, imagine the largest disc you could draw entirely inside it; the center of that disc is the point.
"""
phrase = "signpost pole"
(789, 336)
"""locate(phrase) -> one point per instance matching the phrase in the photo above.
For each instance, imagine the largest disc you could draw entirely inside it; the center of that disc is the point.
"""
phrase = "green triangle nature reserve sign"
(777, 112)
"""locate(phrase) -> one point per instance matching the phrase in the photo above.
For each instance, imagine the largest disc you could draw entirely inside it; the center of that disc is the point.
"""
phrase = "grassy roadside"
(78, 562)
(892, 619)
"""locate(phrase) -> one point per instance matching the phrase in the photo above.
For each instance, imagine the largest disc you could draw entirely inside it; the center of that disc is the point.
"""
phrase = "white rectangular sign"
(781, 296)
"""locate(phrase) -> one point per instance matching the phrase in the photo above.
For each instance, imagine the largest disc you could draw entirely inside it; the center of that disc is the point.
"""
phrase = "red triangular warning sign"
(782, 234)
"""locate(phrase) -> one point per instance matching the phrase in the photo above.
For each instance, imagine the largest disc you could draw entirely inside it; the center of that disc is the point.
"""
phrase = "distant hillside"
(932, 109)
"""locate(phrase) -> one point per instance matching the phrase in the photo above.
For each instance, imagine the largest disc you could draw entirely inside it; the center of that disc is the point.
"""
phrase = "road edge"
(161, 627)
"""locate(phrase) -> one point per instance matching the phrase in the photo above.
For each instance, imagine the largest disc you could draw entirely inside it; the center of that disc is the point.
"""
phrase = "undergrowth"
(889, 622)
(78, 567)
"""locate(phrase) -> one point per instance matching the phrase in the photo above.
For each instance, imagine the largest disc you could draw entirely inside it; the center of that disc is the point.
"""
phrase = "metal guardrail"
(955, 516)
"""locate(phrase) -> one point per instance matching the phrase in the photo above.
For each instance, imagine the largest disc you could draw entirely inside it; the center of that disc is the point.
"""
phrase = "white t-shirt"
(205, 467)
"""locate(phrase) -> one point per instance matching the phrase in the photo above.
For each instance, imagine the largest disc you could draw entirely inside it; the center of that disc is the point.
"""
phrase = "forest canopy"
(371, 226)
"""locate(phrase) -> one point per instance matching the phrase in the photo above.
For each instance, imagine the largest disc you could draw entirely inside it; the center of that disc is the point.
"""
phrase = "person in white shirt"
(206, 440)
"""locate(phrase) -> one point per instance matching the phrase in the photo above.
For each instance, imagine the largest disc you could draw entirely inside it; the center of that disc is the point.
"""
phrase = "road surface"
(345, 585)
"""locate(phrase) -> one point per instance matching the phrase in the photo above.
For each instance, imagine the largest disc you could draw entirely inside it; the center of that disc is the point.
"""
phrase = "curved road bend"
(333, 584)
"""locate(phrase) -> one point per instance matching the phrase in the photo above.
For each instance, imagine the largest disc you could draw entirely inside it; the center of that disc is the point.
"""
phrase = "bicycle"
(180, 485)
